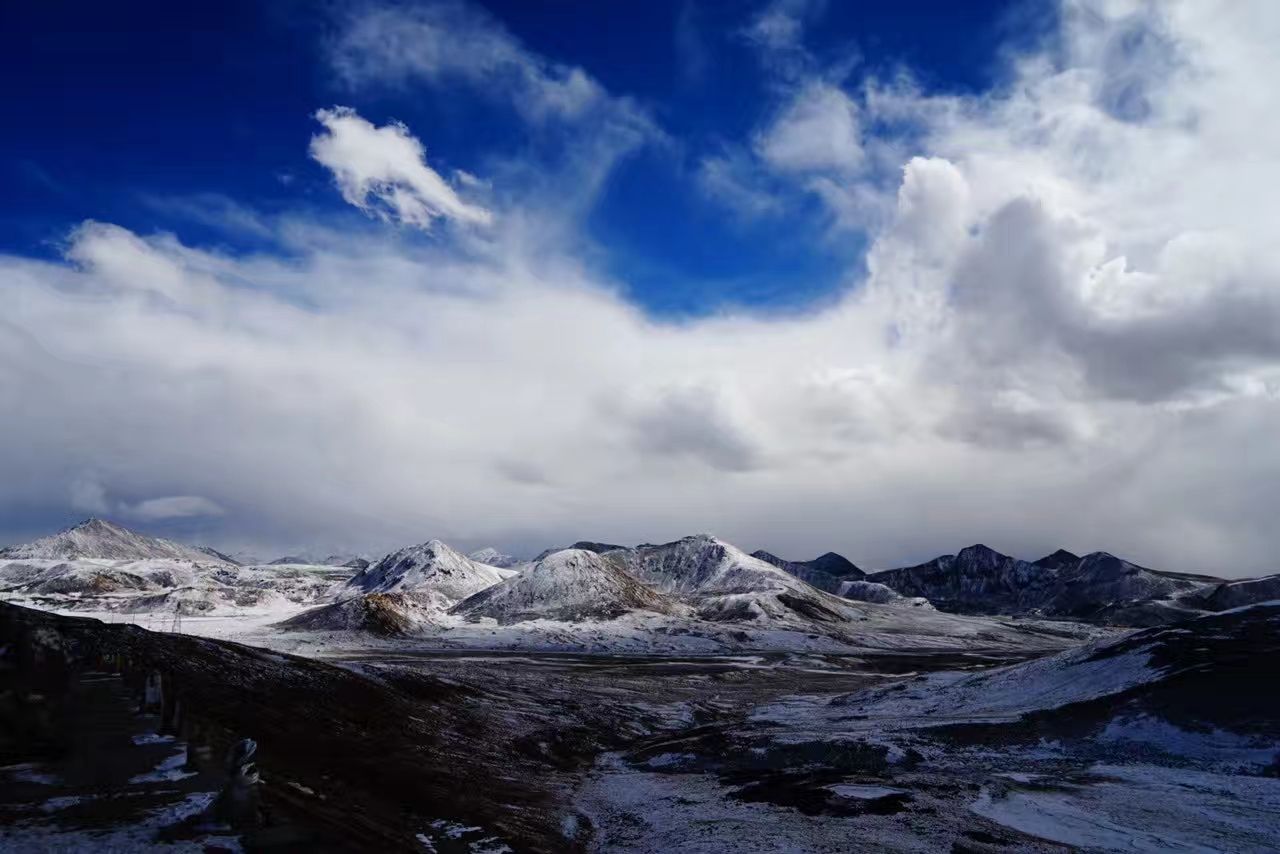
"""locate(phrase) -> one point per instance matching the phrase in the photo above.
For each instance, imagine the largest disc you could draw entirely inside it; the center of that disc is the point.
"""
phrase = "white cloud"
(1066, 335)
(447, 43)
(171, 507)
(459, 50)
(817, 132)
(384, 171)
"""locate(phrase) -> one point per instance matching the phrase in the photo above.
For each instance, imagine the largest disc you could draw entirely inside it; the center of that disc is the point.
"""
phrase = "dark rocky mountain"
(827, 572)
(1058, 559)
(214, 553)
(1098, 587)
(1236, 594)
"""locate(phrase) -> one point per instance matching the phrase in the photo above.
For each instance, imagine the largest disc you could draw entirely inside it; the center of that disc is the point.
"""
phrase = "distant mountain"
(103, 540)
(725, 584)
(214, 553)
(1236, 594)
(570, 585)
(1058, 559)
(869, 591)
(827, 572)
(310, 559)
(583, 545)
(430, 568)
(493, 557)
(1099, 587)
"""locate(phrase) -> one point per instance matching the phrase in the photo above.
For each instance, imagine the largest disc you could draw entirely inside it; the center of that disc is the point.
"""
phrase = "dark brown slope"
(384, 757)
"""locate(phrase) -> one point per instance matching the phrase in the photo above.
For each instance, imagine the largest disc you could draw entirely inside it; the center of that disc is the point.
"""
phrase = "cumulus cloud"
(455, 48)
(384, 171)
(1065, 334)
(816, 132)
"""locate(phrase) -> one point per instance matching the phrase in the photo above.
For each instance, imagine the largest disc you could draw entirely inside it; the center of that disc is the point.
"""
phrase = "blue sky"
(130, 113)
(884, 279)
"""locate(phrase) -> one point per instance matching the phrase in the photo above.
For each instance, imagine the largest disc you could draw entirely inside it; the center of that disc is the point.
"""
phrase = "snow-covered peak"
(493, 557)
(703, 563)
(100, 539)
(431, 566)
(572, 584)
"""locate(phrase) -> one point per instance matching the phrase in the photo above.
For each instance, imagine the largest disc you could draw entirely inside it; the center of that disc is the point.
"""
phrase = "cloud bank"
(1067, 331)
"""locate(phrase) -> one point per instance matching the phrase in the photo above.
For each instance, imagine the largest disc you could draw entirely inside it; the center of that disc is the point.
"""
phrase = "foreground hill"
(1160, 740)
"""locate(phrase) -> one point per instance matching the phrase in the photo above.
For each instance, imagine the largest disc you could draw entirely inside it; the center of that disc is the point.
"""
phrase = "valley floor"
(694, 750)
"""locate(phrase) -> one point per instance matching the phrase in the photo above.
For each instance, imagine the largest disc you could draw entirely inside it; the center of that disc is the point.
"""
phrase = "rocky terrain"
(674, 696)
(827, 572)
(1098, 587)
(1156, 740)
(1159, 741)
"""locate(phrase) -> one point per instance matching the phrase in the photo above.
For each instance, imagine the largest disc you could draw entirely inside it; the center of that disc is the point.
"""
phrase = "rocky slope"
(1235, 594)
(1099, 587)
(827, 572)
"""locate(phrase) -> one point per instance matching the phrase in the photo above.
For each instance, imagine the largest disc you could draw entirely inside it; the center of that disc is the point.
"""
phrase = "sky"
(884, 279)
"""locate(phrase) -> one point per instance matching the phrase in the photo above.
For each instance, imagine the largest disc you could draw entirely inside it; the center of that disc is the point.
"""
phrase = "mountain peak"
(1058, 559)
(95, 523)
(102, 539)
(432, 566)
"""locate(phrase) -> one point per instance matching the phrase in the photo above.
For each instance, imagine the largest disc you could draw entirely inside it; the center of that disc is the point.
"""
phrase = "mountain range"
(700, 577)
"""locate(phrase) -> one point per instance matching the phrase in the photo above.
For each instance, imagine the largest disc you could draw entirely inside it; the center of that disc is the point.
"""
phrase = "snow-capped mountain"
(103, 540)
(432, 567)
(98, 565)
(702, 564)
(585, 545)
(493, 557)
(827, 572)
(350, 561)
(569, 585)
(1098, 586)
(724, 584)
(870, 591)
